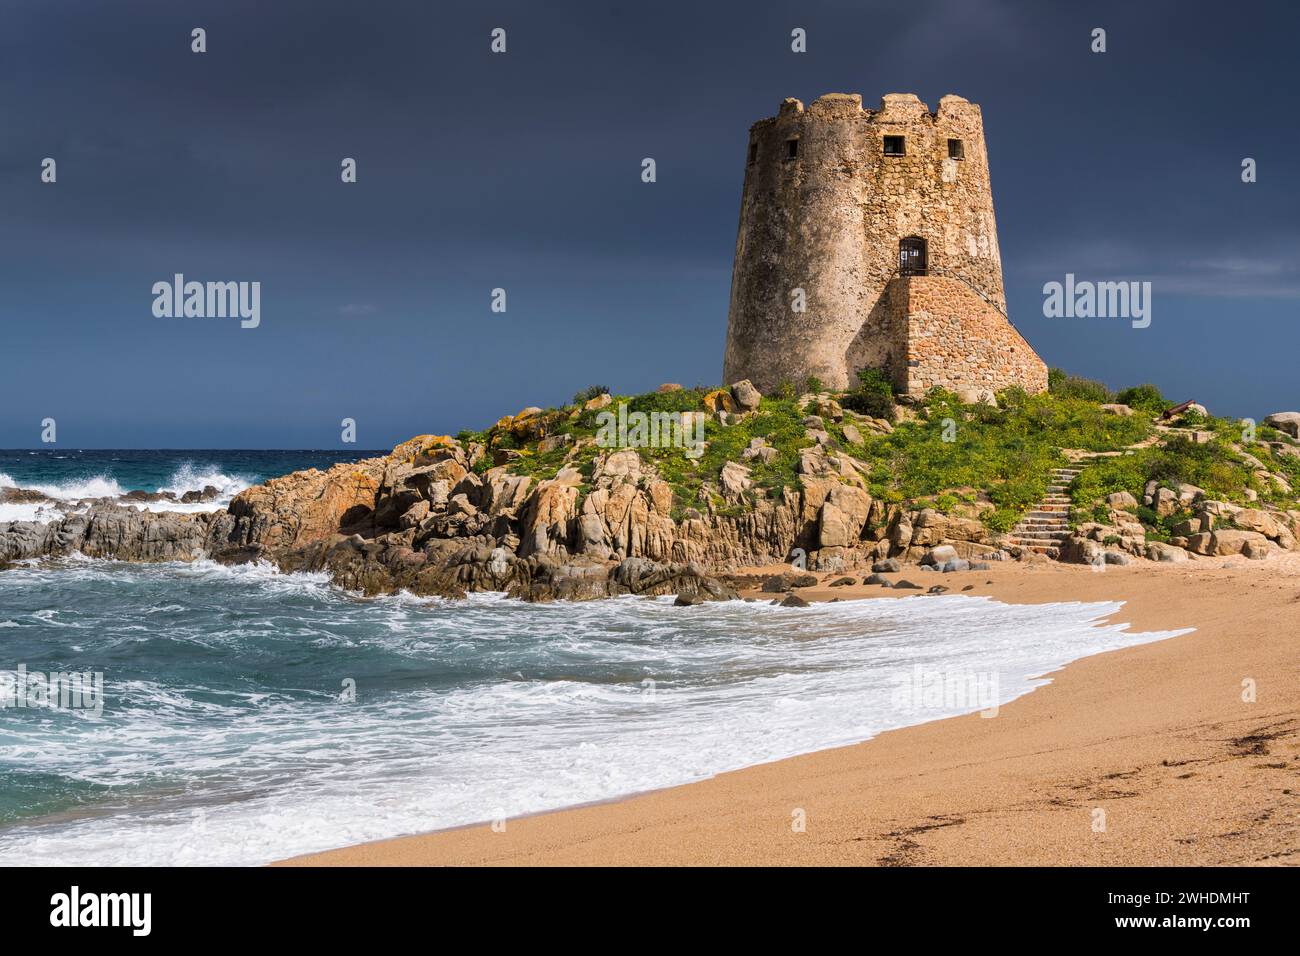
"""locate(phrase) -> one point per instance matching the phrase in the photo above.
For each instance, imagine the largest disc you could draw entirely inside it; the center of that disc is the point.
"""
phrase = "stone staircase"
(1046, 526)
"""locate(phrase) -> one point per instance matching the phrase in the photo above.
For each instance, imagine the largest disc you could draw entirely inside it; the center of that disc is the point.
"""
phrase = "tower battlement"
(838, 202)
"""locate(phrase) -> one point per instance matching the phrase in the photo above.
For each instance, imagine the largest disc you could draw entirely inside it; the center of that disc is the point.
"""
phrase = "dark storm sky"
(522, 171)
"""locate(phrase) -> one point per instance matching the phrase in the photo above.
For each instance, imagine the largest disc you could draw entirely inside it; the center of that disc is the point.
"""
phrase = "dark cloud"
(522, 171)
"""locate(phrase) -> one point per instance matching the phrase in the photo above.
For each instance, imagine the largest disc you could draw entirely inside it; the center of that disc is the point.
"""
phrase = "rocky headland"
(539, 507)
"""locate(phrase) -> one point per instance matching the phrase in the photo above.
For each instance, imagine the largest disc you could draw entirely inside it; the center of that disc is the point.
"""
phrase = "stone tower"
(884, 220)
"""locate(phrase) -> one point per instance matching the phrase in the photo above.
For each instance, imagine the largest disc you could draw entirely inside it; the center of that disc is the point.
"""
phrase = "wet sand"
(1143, 756)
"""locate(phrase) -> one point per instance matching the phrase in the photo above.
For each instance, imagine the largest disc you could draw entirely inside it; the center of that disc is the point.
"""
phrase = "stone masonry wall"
(828, 220)
(957, 340)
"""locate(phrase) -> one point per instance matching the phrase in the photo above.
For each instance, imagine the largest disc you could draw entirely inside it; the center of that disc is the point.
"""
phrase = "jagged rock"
(1165, 502)
(414, 515)
(552, 442)
(852, 435)
(1116, 557)
(720, 400)
(734, 480)
(604, 400)
(21, 496)
(1080, 550)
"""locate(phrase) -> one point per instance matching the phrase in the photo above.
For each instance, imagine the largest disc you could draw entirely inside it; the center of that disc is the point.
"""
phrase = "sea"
(239, 715)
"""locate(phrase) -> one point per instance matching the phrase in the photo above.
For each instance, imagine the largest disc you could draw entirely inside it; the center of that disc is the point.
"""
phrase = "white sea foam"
(269, 774)
(188, 477)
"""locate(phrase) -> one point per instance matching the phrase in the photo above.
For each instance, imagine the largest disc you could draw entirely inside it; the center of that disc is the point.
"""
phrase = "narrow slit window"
(792, 149)
(894, 146)
(956, 150)
(753, 153)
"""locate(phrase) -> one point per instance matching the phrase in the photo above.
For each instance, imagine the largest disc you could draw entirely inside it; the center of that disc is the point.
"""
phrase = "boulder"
(907, 585)
(843, 582)
(746, 395)
(940, 555)
(788, 580)
(1224, 541)
(1121, 501)
(720, 400)
(1167, 553)
(1115, 408)
(793, 600)
(1166, 502)
(1079, 550)
(888, 564)
(1252, 519)
(880, 579)
(1286, 422)
(1255, 550)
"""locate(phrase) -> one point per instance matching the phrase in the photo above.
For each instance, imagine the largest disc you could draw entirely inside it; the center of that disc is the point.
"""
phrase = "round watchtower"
(839, 202)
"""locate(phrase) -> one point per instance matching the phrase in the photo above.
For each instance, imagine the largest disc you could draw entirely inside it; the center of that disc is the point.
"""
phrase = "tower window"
(753, 153)
(894, 146)
(956, 150)
(792, 149)
(911, 256)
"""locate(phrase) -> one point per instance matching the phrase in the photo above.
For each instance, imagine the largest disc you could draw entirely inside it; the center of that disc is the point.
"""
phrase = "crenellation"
(833, 214)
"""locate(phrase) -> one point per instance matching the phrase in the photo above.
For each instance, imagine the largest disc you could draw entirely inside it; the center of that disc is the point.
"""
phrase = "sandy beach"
(1143, 756)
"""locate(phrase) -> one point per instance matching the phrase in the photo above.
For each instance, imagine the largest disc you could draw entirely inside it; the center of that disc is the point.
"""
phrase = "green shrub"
(1146, 397)
(1063, 385)
(588, 393)
(678, 400)
(813, 384)
(874, 396)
